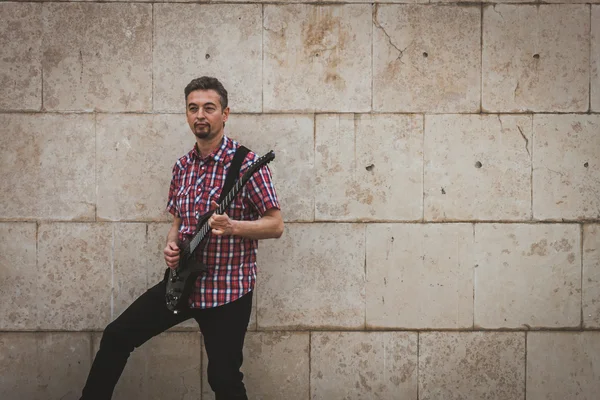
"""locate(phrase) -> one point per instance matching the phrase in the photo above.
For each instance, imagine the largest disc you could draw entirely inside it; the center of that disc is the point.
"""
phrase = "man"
(221, 300)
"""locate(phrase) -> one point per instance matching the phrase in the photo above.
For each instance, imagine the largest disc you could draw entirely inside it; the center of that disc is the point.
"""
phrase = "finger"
(213, 205)
(217, 232)
(173, 246)
(169, 252)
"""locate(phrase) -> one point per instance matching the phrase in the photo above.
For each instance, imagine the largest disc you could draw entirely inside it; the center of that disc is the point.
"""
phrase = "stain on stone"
(586, 164)
(562, 245)
(443, 191)
(478, 164)
(539, 248)
(370, 167)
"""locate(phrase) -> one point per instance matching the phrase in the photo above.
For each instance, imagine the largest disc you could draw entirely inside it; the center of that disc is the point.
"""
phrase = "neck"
(208, 145)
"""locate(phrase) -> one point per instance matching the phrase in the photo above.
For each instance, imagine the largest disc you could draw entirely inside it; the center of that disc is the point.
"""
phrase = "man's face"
(205, 115)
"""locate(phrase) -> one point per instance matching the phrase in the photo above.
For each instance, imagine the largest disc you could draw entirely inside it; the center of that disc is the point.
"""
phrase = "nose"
(200, 114)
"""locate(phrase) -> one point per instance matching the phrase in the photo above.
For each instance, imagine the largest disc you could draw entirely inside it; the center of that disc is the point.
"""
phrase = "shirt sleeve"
(261, 192)
(171, 203)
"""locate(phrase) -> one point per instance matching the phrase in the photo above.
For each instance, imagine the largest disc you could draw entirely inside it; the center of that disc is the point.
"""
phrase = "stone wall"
(438, 166)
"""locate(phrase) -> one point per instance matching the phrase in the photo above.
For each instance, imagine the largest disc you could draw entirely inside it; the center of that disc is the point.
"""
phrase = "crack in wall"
(524, 138)
(389, 38)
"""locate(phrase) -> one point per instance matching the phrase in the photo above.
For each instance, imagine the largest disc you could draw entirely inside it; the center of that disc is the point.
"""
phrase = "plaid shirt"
(231, 260)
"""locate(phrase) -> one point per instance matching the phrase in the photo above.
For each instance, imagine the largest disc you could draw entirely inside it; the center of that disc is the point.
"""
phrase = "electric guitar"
(180, 280)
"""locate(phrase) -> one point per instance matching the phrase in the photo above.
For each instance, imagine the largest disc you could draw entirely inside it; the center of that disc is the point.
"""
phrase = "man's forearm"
(270, 226)
(173, 235)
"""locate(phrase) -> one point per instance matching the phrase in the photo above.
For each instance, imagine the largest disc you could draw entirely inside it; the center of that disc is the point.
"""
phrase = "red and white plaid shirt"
(231, 260)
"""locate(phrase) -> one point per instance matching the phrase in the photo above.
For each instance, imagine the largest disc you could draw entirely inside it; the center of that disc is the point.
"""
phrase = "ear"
(225, 114)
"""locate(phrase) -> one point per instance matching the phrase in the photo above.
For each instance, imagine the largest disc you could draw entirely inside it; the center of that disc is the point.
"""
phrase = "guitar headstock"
(260, 162)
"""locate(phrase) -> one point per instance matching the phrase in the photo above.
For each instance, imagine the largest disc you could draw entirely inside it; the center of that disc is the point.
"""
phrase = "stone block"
(566, 167)
(97, 57)
(189, 43)
(426, 59)
(477, 167)
(471, 365)
(595, 61)
(18, 275)
(292, 139)
(363, 365)
(535, 58)
(317, 58)
(136, 154)
(313, 277)
(591, 276)
(563, 365)
(527, 276)
(40, 366)
(21, 62)
(165, 367)
(75, 269)
(420, 276)
(369, 167)
(47, 167)
(276, 366)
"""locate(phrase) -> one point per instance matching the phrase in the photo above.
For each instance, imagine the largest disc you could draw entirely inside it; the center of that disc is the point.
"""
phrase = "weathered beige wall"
(438, 166)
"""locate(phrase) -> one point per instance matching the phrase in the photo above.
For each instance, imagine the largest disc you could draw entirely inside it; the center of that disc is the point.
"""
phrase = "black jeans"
(223, 329)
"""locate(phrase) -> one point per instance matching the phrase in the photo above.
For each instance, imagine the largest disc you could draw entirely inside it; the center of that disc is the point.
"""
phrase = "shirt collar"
(219, 154)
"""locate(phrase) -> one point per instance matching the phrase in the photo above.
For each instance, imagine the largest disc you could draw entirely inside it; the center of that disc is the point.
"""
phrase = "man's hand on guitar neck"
(220, 224)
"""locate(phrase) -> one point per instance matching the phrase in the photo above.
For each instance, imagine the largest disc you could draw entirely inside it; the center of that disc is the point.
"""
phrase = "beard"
(203, 132)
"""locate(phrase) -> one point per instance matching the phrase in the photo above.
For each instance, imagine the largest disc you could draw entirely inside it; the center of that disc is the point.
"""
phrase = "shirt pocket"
(184, 200)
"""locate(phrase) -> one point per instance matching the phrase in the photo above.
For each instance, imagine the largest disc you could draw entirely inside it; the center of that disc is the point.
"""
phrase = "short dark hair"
(207, 83)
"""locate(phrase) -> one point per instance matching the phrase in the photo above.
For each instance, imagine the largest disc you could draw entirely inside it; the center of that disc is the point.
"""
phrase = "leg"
(144, 318)
(224, 329)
